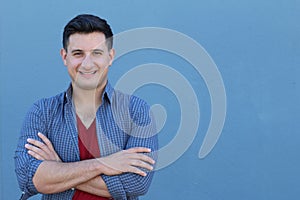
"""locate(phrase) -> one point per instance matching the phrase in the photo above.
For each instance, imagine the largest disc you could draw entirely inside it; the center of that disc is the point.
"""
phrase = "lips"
(87, 73)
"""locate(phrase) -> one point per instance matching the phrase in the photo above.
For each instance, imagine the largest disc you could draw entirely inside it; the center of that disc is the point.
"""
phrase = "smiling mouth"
(87, 73)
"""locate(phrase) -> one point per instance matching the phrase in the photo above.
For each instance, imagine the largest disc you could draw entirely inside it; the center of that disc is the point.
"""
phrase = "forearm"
(53, 177)
(95, 186)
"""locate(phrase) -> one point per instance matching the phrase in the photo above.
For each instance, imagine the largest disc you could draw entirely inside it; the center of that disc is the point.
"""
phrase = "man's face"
(87, 59)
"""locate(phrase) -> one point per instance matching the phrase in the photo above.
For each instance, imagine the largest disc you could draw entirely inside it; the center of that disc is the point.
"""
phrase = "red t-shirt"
(88, 148)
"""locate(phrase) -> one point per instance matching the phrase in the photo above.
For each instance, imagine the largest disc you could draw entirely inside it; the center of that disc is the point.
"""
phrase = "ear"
(111, 55)
(63, 55)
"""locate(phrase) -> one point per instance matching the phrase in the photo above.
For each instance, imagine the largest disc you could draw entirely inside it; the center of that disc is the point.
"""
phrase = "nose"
(87, 62)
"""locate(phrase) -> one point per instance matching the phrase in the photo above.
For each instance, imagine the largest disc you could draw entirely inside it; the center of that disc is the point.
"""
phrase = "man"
(91, 141)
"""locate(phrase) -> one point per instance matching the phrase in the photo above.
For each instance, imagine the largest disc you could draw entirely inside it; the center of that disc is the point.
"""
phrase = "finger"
(137, 171)
(35, 155)
(40, 145)
(142, 157)
(139, 150)
(36, 152)
(35, 149)
(36, 143)
(141, 164)
(50, 146)
(46, 140)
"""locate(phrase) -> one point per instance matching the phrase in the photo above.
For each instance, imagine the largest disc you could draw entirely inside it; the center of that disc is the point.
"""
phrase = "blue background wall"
(256, 47)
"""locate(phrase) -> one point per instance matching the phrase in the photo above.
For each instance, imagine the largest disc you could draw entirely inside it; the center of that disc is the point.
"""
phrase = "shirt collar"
(107, 94)
(108, 91)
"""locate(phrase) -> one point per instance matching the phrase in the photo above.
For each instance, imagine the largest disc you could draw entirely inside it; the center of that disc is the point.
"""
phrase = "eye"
(97, 53)
(77, 54)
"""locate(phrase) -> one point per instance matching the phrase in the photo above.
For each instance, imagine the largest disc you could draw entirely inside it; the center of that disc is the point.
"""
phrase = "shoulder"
(132, 106)
(53, 101)
(48, 104)
(42, 112)
(130, 101)
(121, 99)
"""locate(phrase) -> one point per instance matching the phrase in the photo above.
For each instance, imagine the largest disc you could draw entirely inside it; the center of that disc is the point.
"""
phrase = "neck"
(87, 101)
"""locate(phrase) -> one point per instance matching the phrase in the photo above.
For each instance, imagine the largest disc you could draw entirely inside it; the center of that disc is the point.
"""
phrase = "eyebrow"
(80, 50)
(76, 51)
(98, 50)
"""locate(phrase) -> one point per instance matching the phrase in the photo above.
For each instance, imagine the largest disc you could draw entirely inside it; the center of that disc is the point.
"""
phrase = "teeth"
(88, 72)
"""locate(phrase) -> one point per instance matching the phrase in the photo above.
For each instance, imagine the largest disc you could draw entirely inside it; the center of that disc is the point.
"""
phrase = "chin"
(87, 86)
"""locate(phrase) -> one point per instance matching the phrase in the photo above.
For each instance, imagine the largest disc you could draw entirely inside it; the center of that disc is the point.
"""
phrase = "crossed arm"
(54, 176)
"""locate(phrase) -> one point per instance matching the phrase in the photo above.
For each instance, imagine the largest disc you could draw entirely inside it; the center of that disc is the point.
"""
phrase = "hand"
(40, 150)
(130, 160)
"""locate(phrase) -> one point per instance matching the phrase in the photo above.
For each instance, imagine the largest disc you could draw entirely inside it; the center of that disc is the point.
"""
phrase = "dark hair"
(86, 23)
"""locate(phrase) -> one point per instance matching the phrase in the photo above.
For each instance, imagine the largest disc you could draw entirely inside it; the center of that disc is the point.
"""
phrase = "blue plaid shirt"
(123, 121)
